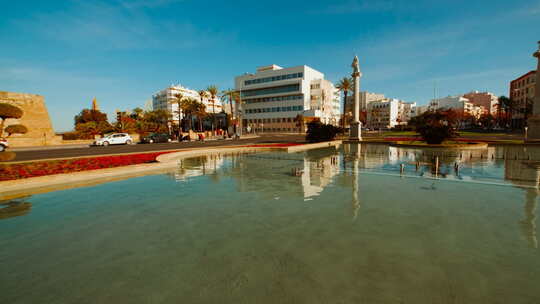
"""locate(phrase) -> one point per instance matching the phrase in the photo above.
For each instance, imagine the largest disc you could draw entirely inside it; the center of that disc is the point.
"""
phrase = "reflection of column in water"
(355, 200)
(528, 224)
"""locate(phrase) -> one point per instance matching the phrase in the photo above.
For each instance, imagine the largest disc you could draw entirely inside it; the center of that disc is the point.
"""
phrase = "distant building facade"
(487, 100)
(522, 90)
(274, 96)
(166, 99)
(365, 99)
(390, 112)
(382, 114)
(457, 103)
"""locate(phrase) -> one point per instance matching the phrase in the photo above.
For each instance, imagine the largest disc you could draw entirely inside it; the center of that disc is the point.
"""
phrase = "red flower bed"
(41, 168)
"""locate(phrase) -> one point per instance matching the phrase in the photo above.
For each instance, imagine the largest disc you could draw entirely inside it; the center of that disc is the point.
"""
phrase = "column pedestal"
(533, 131)
(355, 132)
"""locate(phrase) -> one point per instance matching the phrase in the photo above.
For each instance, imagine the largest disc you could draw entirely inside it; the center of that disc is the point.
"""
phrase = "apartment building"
(166, 99)
(406, 111)
(382, 114)
(274, 96)
(365, 99)
(487, 100)
(522, 92)
(457, 103)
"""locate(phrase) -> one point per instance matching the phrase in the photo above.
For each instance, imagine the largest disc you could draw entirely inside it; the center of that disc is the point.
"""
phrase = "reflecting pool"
(358, 224)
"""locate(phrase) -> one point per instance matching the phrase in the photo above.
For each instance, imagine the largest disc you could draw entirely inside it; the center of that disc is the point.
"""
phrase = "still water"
(324, 226)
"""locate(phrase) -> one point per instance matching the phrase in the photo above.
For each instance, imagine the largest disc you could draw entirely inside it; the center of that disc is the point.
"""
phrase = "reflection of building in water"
(526, 174)
(272, 173)
(197, 166)
(318, 174)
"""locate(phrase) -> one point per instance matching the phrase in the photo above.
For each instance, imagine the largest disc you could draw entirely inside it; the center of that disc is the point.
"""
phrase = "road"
(116, 149)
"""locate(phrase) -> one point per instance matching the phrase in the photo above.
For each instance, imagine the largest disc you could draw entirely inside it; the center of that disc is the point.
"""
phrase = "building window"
(273, 90)
(273, 78)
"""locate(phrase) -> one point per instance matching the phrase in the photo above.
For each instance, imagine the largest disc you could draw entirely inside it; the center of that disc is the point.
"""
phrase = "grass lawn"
(399, 133)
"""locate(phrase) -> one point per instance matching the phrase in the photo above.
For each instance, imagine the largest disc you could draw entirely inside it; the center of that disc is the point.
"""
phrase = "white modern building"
(167, 99)
(274, 96)
(406, 111)
(383, 114)
(458, 103)
(388, 113)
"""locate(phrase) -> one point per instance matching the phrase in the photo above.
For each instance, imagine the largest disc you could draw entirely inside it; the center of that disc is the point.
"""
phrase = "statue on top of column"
(355, 66)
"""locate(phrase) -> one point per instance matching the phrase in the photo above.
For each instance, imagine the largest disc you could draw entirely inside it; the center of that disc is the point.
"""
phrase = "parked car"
(3, 144)
(114, 139)
(156, 138)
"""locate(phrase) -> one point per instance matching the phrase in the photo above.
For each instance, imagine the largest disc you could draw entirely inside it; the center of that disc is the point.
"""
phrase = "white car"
(114, 139)
(3, 144)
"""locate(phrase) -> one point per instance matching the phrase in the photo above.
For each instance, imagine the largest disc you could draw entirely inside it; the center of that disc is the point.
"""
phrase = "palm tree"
(202, 95)
(213, 91)
(344, 85)
(179, 98)
(508, 105)
(230, 94)
(199, 109)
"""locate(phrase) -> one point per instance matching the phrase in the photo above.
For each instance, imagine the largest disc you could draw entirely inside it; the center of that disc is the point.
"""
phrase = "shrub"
(435, 135)
(435, 127)
(74, 135)
(16, 129)
(318, 132)
(10, 111)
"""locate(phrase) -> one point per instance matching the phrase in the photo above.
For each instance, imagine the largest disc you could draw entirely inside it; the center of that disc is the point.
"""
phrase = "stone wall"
(35, 118)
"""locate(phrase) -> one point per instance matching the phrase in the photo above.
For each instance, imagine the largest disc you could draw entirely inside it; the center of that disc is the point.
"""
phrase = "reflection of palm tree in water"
(528, 224)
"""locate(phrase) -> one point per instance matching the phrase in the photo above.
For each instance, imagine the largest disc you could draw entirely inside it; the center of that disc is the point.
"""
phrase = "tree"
(435, 126)
(90, 123)
(8, 111)
(179, 98)
(88, 115)
(92, 128)
(213, 91)
(137, 113)
(317, 132)
(345, 86)
(16, 129)
(487, 121)
(199, 110)
(508, 106)
(126, 124)
(230, 94)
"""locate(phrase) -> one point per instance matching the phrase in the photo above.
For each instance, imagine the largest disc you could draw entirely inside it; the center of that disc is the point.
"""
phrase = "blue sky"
(123, 51)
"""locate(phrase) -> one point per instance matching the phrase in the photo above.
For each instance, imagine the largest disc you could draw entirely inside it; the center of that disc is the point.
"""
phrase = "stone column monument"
(534, 121)
(356, 125)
